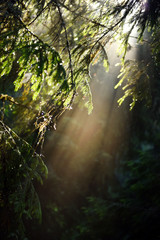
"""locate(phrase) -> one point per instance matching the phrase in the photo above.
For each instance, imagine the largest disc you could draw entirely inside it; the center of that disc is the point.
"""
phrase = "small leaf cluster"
(135, 82)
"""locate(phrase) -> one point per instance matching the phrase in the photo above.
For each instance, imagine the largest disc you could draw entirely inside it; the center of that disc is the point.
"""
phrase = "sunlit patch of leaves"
(135, 82)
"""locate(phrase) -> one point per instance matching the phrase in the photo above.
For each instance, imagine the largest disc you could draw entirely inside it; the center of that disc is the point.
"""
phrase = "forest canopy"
(47, 49)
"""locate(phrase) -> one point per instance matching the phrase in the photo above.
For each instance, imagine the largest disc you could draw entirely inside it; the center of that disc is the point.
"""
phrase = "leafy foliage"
(46, 50)
(137, 85)
(20, 164)
(32, 66)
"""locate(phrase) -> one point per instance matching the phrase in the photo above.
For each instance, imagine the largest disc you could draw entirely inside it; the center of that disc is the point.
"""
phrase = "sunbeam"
(84, 147)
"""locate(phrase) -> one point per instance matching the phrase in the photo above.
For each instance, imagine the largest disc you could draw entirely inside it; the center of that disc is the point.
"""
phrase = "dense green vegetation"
(100, 179)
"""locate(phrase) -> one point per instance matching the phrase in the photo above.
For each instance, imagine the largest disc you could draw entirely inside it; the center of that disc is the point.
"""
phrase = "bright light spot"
(26, 77)
(83, 148)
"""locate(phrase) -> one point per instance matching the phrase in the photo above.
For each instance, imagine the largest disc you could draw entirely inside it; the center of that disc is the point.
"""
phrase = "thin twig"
(76, 14)
(67, 43)
(39, 14)
(5, 97)
(110, 29)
